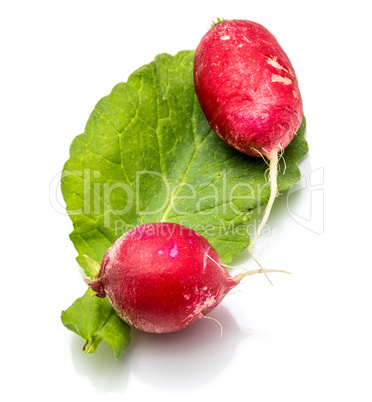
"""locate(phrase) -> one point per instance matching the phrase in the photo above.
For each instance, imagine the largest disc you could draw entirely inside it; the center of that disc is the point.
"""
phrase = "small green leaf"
(95, 320)
(218, 20)
(94, 266)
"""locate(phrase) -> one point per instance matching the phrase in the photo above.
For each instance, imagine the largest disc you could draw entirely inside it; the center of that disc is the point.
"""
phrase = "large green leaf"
(148, 154)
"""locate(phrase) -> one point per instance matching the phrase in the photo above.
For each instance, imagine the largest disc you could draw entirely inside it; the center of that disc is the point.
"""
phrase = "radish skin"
(248, 91)
(161, 277)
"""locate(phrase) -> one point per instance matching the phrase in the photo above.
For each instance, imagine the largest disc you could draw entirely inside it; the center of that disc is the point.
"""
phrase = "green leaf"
(95, 320)
(148, 154)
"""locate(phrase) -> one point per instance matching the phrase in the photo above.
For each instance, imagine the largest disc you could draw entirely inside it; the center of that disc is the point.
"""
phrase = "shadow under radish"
(190, 358)
(181, 361)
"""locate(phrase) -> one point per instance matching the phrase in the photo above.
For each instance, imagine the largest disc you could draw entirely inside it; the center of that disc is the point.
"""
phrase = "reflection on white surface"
(180, 361)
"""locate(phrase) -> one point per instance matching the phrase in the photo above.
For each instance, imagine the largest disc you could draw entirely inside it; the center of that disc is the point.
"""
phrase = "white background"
(307, 338)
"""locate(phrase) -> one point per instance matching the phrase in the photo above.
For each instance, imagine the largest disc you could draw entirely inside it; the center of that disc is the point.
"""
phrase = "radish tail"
(242, 275)
(273, 176)
(239, 277)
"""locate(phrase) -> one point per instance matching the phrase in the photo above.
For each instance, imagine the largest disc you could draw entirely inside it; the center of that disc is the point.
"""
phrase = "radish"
(161, 277)
(248, 91)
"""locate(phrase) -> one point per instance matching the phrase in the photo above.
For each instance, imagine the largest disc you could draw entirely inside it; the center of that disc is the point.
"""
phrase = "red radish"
(248, 91)
(161, 277)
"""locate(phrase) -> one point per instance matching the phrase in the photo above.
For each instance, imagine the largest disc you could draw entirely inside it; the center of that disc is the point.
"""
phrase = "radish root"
(242, 275)
(213, 319)
(239, 277)
(273, 180)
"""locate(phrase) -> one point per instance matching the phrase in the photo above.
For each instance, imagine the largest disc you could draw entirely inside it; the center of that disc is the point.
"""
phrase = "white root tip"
(213, 319)
(273, 179)
(242, 275)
